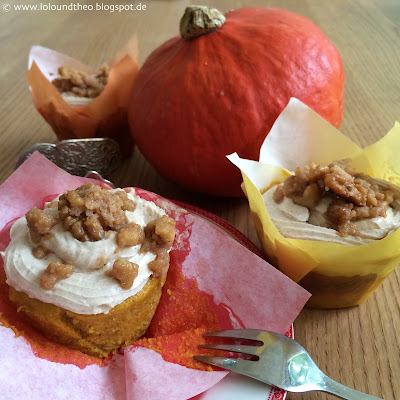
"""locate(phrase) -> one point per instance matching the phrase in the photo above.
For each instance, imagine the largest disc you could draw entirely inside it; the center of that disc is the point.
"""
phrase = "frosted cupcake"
(330, 226)
(87, 271)
(334, 204)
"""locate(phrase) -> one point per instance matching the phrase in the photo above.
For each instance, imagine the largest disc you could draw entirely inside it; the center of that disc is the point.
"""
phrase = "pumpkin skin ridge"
(243, 101)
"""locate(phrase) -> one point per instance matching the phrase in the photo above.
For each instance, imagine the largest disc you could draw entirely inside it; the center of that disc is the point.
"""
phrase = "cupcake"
(334, 204)
(331, 226)
(80, 102)
(87, 270)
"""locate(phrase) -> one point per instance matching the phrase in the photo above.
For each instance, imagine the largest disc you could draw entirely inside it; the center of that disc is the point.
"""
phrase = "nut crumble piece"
(124, 272)
(39, 223)
(160, 235)
(56, 271)
(159, 266)
(161, 230)
(130, 235)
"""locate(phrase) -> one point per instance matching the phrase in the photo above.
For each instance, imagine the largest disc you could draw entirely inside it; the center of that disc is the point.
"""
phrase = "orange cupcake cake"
(87, 271)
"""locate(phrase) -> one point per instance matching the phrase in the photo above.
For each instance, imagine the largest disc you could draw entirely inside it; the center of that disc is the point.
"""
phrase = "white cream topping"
(297, 222)
(88, 290)
(76, 101)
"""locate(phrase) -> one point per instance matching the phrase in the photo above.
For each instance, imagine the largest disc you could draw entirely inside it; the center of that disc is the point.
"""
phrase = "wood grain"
(358, 346)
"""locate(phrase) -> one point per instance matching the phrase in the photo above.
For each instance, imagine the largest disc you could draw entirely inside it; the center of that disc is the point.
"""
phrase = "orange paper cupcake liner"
(105, 116)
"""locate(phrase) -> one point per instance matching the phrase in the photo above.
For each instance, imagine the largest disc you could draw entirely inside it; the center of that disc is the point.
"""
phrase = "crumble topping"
(80, 83)
(160, 235)
(130, 235)
(354, 196)
(91, 213)
(124, 272)
(55, 272)
(161, 231)
(39, 224)
(160, 265)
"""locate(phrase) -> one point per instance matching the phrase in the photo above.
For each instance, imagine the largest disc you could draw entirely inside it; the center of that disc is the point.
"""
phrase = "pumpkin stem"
(200, 20)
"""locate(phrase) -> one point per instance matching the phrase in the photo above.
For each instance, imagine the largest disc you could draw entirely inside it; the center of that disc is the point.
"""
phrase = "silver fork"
(280, 361)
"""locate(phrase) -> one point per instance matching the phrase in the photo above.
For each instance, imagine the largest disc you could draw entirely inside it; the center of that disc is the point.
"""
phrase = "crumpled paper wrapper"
(337, 275)
(234, 285)
(105, 116)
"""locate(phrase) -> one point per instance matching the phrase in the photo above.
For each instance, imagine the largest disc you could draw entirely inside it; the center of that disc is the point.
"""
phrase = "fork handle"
(345, 392)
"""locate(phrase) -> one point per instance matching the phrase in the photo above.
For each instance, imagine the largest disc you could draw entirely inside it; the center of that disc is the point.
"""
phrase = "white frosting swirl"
(297, 222)
(88, 290)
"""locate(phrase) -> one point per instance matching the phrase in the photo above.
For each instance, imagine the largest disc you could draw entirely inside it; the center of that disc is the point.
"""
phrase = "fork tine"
(252, 350)
(250, 334)
(232, 364)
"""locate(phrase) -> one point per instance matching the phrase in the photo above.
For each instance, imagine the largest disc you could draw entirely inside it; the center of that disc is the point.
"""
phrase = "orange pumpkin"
(219, 87)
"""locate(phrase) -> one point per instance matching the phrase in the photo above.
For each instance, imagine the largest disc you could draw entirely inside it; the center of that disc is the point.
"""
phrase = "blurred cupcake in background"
(80, 102)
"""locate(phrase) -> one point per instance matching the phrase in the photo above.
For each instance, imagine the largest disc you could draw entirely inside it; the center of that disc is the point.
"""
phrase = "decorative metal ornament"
(80, 157)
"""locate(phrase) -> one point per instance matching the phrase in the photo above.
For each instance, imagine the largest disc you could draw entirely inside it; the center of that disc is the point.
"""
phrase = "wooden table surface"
(358, 346)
